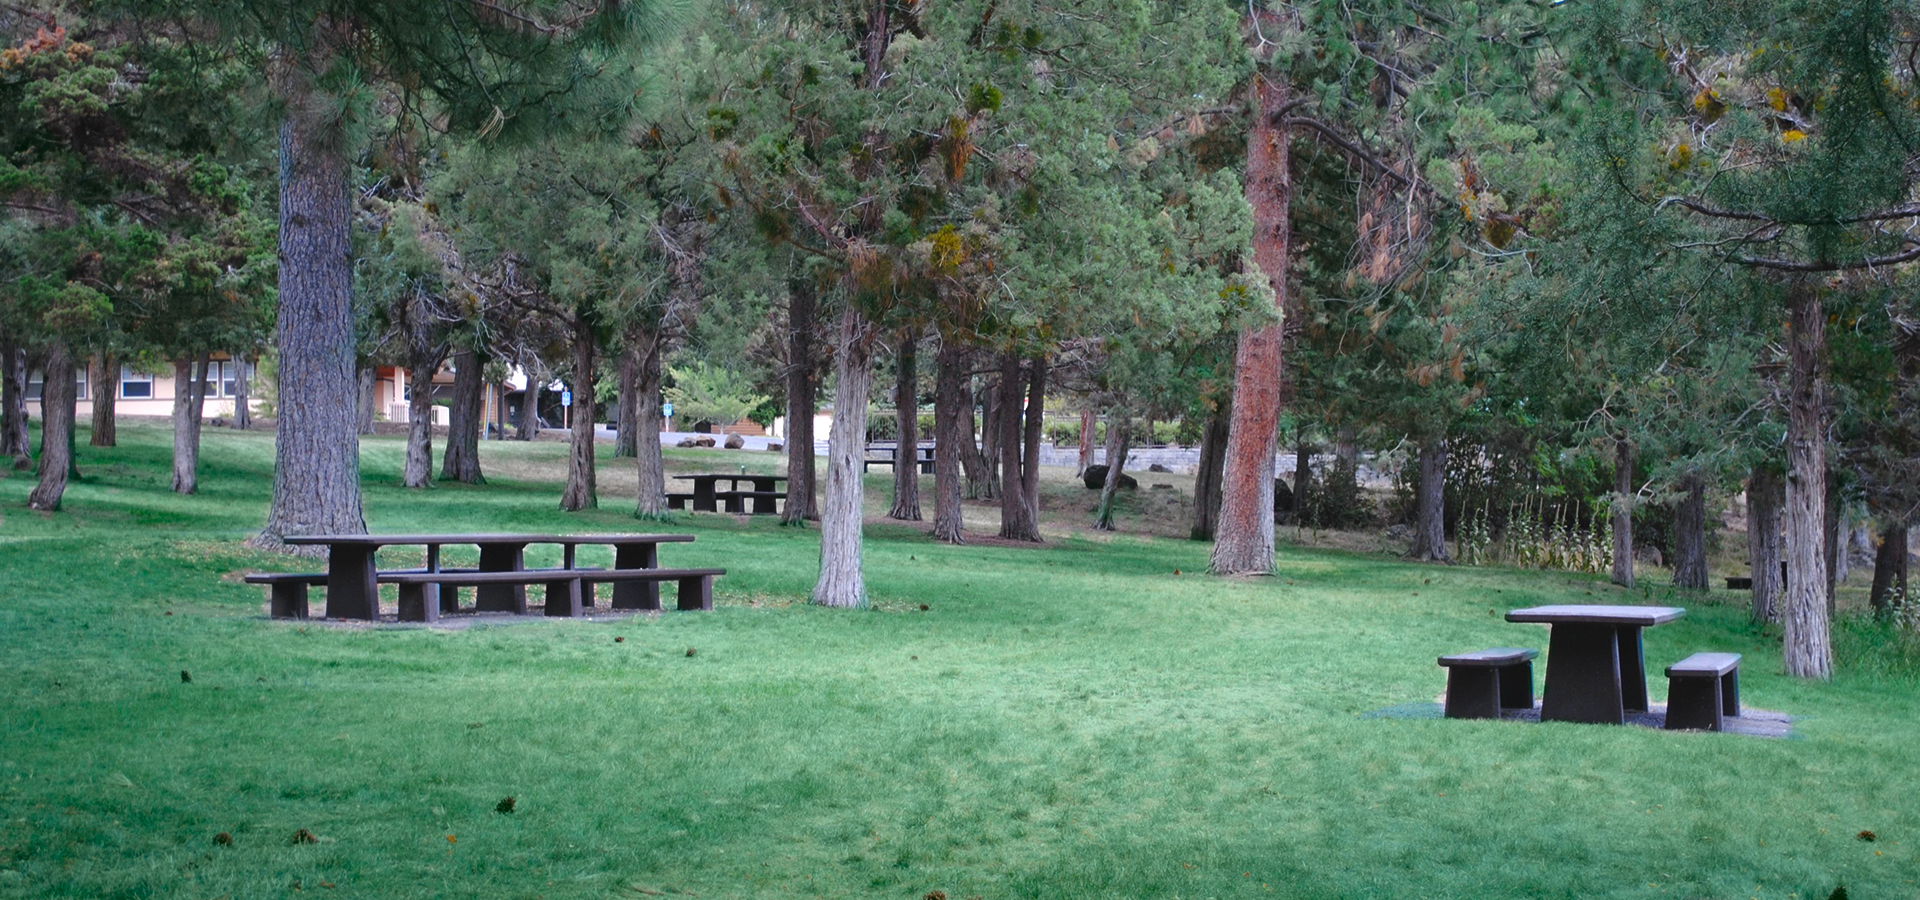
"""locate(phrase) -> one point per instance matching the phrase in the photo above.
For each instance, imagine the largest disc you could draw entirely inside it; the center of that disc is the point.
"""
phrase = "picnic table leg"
(449, 594)
(636, 594)
(501, 597)
(351, 591)
(696, 592)
(289, 600)
(419, 603)
(1583, 674)
(703, 489)
(563, 597)
(1633, 670)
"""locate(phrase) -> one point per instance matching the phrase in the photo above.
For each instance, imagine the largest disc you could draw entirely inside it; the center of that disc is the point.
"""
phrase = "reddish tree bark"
(1086, 443)
(1243, 543)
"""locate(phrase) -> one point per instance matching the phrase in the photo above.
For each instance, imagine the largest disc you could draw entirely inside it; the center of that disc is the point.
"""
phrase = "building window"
(135, 385)
(80, 382)
(223, 382)
(37, 385)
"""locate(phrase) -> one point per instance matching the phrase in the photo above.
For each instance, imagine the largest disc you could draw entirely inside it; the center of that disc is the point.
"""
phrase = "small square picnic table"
(1595, 668)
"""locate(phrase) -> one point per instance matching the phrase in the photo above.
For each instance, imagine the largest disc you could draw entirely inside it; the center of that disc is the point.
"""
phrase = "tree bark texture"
(581, 492)
(529, 425)
(651, 467)
(367, 408)
(1833, 545)
(316, 477)
(973, 457)
(1430, 530)
(1016, 517)
(1763, 542)
(952, 435)
(102, 380)
(1690, 535)
(1119, 434)
(1086, 443)
(189, 402)
(14, 442)
(626, 405)
(1206, 479)
(841, 581)
(418, 472)
(1035, 432)
(1890, 569)
(991, 409)
(1243, 544)
(1623, 494)
(906, 458)
(57, 407)
(802, 403)
(465, 419)
(1808, 647)
(242, 389)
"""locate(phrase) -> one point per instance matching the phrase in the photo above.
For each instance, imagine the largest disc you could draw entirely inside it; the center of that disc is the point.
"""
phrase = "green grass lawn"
(1087, 720)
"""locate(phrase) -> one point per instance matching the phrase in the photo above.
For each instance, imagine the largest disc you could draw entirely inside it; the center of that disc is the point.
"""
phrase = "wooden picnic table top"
(382, 540)
(734, 475)
(1598, 614)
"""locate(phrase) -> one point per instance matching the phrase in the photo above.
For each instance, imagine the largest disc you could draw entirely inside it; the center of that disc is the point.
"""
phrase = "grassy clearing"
(1077, 721)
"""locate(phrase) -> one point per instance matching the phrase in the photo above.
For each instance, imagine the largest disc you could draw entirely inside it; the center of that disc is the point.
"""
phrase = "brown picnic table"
(1595, 668)
(764, 490)
(923, 453)
(353, 586)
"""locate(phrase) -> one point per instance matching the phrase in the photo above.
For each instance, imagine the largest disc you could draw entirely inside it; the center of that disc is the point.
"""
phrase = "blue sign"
(666, 409)
(566, 398)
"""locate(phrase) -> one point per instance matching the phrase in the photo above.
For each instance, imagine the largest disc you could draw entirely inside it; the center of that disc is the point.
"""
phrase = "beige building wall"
(140, 393)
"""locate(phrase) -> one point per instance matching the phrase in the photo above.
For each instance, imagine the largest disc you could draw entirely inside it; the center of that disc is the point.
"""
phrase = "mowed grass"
(1091, 719)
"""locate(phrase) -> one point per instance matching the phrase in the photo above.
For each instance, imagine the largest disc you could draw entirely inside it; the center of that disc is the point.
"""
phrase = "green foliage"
(703, 392)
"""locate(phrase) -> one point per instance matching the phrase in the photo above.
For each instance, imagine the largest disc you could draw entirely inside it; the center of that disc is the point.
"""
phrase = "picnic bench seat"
(287, 592)
(678, 501)
(566, 588)
(1702, 690)
(763, 501)
(1481, 683)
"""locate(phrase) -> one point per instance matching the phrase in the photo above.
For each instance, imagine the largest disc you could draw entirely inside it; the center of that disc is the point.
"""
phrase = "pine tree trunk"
(581, 490)
(990, 434)
(367, 412)
(1086, 443)
(242, 388)
(104, 379)
(1119, 433)
(1016, 517)
(1623, 494)
(802, 403)
(973, 457)
(1808, 651)
(316, 477)
(189, 401)
(528, 427)
(841, 581)
(1243, 543)
(419, 466)
(1036, 432)
(1832, 547)
(1763, 542)
(57, 408)
(906, 458)
(626, 402)
(952, 434)
(1430, 531)
(651, 467)
(461, 461)
(14, 442)
(1890, 569)
(1690, 535)
(1206, 480)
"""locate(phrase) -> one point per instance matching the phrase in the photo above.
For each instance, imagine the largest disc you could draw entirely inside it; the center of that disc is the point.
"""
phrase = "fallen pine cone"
(304, 836)
(504, 806)
(689, 651)
(186, 677)
(223, 839)
(1867, 836)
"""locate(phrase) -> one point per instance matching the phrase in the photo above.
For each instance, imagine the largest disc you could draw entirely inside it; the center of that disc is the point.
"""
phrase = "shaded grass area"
(1076, 721)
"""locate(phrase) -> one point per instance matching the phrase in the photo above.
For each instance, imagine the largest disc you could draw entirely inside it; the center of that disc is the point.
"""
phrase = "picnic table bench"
(891, 457)
(500, 581)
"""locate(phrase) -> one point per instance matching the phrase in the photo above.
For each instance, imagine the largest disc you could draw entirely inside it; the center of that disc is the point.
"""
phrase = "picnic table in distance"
(890, 456)
(706, 497)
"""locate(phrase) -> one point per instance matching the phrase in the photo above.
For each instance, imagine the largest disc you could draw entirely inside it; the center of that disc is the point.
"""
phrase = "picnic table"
(765, 490)
(924, 452)
(353, 586)
(1595, 668)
